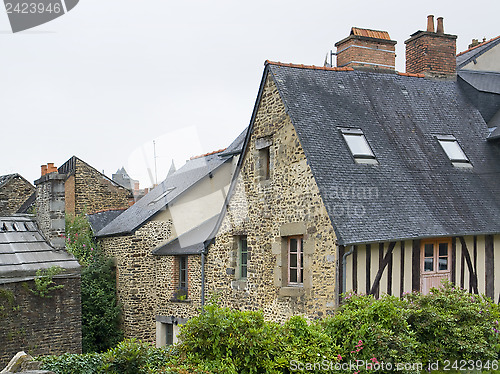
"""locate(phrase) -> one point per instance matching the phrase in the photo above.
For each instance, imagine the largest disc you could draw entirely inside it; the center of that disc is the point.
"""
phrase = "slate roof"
(414, 191)
(23, 251)
(191, 242)
(482, 80)
(469, 55)
(99, 220)
(173, 186)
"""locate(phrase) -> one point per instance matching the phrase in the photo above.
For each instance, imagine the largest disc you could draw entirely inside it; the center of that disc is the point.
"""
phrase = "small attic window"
(358, 146)
(164, 194)
(453, 150)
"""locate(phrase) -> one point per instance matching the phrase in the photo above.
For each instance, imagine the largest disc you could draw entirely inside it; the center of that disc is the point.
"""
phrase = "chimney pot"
(440, 27)
(430, 23)
(44, 170)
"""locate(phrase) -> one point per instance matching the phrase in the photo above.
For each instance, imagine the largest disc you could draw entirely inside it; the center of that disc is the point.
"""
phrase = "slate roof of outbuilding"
(465, 57)
(414, 191)
(23, 251)
(6, 178)
(172, 187)
(99, 220)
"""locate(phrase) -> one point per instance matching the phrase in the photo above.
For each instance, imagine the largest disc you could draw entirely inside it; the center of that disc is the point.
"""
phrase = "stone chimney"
(432, 53)
(369, 49)
(50, 205)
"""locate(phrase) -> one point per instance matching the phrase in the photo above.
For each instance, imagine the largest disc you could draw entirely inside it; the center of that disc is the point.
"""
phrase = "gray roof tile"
(415, 191)
(23, 250)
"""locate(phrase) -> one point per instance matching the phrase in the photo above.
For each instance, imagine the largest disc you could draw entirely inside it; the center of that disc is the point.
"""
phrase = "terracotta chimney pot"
(44, 170)
(430, 23)
(440, 27)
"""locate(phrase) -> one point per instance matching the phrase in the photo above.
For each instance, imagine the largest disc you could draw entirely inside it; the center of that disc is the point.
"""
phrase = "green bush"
(452, 324)
(89, 363)
(372, 330)
(101, 314)
(234, 341)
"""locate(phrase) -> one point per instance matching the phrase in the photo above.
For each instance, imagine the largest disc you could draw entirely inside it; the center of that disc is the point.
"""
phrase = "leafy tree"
(101, 314)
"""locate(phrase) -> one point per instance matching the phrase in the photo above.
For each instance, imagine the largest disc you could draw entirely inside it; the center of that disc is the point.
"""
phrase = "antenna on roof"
(156, 172)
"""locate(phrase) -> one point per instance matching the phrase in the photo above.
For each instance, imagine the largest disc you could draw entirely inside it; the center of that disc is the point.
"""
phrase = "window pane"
(301, 276)
(443, 263)
(453, 150)
(169, 333)
(428, 264)
(443, 249)
(429, 250)
(293, 275)
(293, 245)
(358, 145)
(244, 271)
(293, 260)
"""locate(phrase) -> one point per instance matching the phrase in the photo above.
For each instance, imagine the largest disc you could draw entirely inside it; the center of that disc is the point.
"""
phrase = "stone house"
(361, 178)
(31, 322)
(14, 193)
(158, 287)
(88, 191)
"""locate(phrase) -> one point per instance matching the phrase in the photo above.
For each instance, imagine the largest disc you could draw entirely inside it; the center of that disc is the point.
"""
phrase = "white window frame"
(450, 139)
(367, 157)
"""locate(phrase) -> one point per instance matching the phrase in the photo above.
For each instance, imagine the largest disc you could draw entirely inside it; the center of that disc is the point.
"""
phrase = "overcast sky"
(106, 79)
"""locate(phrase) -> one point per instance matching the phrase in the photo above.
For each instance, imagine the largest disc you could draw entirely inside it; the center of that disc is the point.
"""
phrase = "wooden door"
(435, 263)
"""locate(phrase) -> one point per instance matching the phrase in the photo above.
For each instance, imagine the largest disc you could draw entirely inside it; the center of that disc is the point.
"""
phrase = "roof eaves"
(489, 44)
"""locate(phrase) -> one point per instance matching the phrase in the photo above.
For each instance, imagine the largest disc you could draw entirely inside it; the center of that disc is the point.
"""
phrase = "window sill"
(180, 301)
(239, 284)
(291, 291)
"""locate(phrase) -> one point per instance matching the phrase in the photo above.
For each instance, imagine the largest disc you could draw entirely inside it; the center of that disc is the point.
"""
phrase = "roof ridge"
(418, 75)
(208, 154)
(479, 45)
(302, 66)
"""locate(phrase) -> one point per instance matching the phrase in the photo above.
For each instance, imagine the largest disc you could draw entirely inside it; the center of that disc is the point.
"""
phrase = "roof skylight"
(453, 150)
(358, 146)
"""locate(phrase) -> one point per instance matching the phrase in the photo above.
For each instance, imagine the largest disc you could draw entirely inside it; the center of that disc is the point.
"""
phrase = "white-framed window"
(453, 150)
(358, 145)
(295, 260)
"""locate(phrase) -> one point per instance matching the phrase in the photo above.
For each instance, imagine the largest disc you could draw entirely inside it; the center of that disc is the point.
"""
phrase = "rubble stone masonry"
(267, 212)
(138, 273)
(88, 191)
(14, 193)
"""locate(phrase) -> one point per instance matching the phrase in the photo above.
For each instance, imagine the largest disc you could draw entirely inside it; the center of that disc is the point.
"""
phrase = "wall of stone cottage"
(137, 279)
(14, 194)
(92, 192)
(40, 325)
(267, 211)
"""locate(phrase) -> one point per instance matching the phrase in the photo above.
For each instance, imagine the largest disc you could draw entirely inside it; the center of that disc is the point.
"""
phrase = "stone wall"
(14, 193)
(138, 273)
(40, 325)
(267, 211)
(93, 192)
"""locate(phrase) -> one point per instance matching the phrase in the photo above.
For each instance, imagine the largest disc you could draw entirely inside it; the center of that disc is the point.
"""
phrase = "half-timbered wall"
(403, 270)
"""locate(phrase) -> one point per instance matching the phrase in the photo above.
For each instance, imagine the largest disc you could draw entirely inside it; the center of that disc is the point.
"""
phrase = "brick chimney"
(369, 49)
(50, 205)
(432, 53)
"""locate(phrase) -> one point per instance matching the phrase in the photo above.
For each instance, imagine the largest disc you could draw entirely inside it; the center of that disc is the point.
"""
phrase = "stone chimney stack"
(368, 49)
(432, 53)
(50, 205)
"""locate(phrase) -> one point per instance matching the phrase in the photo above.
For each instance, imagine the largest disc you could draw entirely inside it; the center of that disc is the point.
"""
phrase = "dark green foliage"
(234, 341)
(451, 324)
(448, 324)
(88, 363)
(367, 328)
(101, 314)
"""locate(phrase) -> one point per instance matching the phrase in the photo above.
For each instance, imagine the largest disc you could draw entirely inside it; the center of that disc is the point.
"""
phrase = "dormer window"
(359, 147)
(453, 150)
